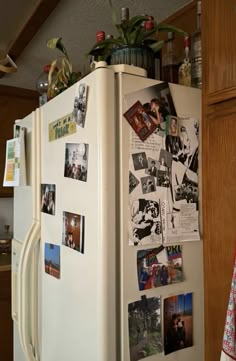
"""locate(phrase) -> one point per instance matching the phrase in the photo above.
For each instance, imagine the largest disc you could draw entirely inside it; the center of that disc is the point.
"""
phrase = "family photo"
(76, 161)
(48, 195)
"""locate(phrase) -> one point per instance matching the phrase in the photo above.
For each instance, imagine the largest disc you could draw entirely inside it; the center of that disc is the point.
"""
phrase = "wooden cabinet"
(219, 164)
(218, 28)
(15, 103)
(6, 323)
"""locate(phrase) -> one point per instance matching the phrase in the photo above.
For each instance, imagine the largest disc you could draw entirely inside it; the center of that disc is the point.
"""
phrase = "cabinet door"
(15, 103)
(6, 324)
(219, 214)
(219, 51)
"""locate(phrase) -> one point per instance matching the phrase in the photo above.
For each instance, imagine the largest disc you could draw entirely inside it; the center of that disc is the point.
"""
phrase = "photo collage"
(162, 211)
(76, 168)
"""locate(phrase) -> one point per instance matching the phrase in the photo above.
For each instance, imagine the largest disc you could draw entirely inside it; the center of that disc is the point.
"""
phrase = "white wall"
(6, 213)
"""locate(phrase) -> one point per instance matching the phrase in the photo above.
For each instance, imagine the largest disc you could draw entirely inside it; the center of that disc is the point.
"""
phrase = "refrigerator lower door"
(79, 301)
(25, 248)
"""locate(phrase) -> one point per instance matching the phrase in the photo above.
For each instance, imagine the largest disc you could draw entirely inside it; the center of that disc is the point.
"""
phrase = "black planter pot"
(141, 56)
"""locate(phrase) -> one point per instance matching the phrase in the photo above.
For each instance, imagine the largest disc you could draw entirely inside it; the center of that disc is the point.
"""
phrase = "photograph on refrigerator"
(140, 121)
(178, 322)
(164, 169)
(52, 262)
(159, 266)
(80, 105)
(76, 161)
(144, 322)
(73, 231)
(61, 127)
(48, 198)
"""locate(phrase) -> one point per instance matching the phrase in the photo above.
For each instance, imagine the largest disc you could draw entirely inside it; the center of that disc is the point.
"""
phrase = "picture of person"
(145, 221)
(163, 179)
(48, 192)
(80, 105)
(165, 159)
(140, 161)
(153, 169)
(178, 323)
(173, 126)
(73, 231)
(148, 184)
(76, 161)
(52, 260)
(133, 182)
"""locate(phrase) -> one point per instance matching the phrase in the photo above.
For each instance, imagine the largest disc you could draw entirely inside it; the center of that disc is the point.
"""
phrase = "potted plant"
(136, 43)
(61, 75)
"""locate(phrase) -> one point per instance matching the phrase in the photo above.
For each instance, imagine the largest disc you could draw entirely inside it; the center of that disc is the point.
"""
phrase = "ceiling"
(76, 21)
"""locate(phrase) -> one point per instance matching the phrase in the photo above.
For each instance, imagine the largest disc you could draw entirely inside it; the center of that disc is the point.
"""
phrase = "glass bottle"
(170, 63)
(42, 85)
(124, 15)
(196, 53)
(185, 67)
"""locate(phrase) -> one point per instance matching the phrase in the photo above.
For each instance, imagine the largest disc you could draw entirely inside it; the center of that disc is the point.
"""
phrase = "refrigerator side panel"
(78, 305)
(188, 103)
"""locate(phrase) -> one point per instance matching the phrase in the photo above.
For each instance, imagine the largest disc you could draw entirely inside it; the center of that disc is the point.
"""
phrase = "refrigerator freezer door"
(78, 307)
(188, 104)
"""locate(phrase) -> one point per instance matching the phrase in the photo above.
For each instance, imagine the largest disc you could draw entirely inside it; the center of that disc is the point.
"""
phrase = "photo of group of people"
(178, 323)
(80, 105)
(145, 337)
(159, 266)
(48, 195)
(52, 262)
(76, 161)
(163, 167)
(73, 231)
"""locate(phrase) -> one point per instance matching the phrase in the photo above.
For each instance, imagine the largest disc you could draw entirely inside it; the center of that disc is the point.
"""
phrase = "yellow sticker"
(62, 127)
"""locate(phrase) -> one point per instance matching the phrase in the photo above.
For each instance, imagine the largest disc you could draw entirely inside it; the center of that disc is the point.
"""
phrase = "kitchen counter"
(5, 262)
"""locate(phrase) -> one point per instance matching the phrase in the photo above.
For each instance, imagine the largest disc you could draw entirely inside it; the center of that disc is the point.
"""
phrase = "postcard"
(52, 262)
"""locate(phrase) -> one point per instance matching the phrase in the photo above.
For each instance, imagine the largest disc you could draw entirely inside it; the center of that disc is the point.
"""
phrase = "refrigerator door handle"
(26, 297)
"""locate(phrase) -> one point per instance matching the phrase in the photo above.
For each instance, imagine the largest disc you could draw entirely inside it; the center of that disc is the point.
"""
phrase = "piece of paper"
(178, 322)
(159, 266)
(163, 173)
(145, 338)
(61, 127)
(15, 167)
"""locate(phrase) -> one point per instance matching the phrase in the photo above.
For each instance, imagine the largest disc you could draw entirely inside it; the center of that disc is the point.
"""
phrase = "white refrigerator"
(82, 313)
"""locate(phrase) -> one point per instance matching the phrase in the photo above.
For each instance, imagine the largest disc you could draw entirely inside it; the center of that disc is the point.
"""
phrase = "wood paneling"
(219, 214)
(15, 103)
(219, 165)
(219, 25)
(6, 324)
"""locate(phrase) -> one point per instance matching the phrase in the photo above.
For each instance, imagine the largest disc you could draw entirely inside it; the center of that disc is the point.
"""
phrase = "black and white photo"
(76, 161)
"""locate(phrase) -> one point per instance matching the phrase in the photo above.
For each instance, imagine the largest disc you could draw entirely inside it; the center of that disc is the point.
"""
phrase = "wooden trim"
(19, 92)
(221, 96)
(180, 13)
(32, 25)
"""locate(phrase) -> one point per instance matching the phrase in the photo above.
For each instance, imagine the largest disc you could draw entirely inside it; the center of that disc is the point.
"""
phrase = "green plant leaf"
(113, 14)
(171, 28)
(56, 43)
(157, 45)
